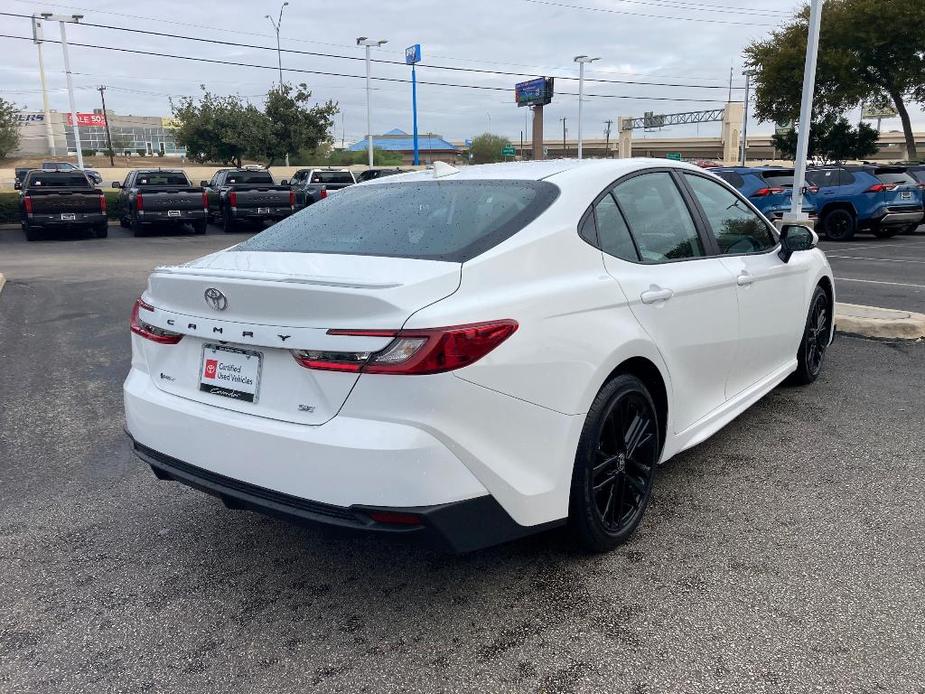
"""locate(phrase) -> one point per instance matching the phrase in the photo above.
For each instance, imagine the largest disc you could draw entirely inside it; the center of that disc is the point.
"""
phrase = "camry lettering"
(171, 321)
(247, 333)
(191, 326)
(217, 330)
(284, 337)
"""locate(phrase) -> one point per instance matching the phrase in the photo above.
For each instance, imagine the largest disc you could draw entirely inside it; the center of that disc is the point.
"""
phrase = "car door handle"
(655, 294)
(744, 279)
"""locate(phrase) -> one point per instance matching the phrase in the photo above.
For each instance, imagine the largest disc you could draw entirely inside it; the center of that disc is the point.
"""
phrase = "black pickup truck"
(65, 166)
(247, 195)
(61, 200)
(162, 197)
(312, 185)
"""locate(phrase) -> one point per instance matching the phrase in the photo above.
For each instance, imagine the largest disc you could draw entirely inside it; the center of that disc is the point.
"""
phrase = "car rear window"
(54, 179)
(248, 177)
(731, 177)
(431, 220)
(782, 179)
(900, 177)
(332, 177)
(918, 174)
(162, 178)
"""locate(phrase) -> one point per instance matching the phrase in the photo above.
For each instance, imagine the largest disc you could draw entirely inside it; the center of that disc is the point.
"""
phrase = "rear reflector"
(414, 352)
(148, 331)
(393, 518)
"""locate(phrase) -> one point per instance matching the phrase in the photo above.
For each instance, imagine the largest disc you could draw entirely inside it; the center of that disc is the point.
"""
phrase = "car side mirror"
(17, 185)
(204, 184)
(284, 182)
(794, 238)
(116, 184)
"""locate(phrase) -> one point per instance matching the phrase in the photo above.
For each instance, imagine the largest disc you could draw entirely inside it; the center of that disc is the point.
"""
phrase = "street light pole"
(38, 35)
(581, 60)
(279, 51)
(748, 74)
(363, 41)
(806, 114)
(62, 20)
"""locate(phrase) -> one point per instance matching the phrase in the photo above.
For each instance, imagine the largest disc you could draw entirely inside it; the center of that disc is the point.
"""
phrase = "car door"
(213, 195)
(684, 299)
(770, 291)
(124, 194)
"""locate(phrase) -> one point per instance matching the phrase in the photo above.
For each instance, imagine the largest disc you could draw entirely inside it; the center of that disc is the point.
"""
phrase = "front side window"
(613, 234)
(736, 227)
(658, 218)
(434, 220)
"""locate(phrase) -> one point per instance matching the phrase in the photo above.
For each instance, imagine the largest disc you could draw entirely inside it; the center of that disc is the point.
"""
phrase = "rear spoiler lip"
(317, 280)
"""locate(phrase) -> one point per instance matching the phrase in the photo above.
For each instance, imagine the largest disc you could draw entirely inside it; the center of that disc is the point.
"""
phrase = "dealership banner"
(87, 120)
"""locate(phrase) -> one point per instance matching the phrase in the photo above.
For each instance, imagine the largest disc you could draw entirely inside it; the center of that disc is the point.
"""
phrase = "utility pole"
(748, 75)
(489, 122)
(102, 89)
(413, 56)
(581, 60)
(62, 20)
(363, 41)
(564, 149)
(608, 123)
(730, 85)
(806, 114)
(279, 52)
(38, 35)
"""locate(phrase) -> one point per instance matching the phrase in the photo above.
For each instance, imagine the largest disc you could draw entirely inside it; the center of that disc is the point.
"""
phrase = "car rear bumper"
(81, 219)
(242, 213)
(162, 216)
(460, 526)
(901, 218)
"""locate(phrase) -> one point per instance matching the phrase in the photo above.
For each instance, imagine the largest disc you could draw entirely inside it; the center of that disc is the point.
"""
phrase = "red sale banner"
(87, 120)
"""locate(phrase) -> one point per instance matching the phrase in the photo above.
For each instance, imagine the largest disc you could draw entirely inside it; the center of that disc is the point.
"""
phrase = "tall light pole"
(489, 122)
(581, 60)
(412, 57)
(38, 36)
(279, 52)
(748, 75)
(806, 114)
(62, 20)
(368, 43)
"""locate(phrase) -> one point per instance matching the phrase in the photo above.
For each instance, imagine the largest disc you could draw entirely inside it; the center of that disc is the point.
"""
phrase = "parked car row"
(64, 166)
(166, 197)
(881, 200)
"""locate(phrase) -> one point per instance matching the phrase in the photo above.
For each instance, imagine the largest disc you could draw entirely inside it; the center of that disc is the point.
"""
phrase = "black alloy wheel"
(839, 225)
(228, 222)
(615, 464)
(815, 339)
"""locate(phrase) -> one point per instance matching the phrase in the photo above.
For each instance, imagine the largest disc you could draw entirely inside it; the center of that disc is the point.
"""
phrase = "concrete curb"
(870, 321)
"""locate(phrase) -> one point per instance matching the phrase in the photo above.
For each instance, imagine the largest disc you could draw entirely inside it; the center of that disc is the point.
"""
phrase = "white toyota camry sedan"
(474, 355)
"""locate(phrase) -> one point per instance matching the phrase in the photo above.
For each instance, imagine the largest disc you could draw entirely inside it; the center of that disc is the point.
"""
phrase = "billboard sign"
(651, 121)
(874, 111)
(87, 120)
(537, 92)
(413, 54)
(30, 117)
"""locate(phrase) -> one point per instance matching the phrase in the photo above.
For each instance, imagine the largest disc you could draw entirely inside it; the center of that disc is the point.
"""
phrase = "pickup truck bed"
(61, 201)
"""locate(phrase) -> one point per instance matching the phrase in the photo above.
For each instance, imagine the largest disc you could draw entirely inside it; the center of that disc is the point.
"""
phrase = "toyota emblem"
(216, 299)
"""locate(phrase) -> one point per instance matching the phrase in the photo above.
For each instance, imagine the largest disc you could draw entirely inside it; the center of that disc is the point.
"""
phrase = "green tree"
(869, 50)
(831, 139)
(223, 129)
(486, 148)
(9, 128)
(295, 126)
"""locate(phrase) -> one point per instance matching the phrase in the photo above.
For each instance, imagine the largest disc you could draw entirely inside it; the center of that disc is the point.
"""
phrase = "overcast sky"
(681, 42)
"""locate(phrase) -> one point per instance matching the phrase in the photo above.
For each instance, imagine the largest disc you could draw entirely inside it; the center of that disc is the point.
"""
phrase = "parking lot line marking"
(886, 260)
(892, 284)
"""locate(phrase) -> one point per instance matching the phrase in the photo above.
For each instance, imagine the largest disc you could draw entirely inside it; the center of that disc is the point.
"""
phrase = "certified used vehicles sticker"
(231, 373)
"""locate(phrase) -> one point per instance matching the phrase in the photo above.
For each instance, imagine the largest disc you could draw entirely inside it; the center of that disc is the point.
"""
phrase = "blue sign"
(468, 143)
(534, 92)
(413, 54)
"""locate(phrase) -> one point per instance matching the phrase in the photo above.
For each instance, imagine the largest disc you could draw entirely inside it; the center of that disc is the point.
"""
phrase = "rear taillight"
(291, 198)
(27, 204)
(812, 189)
(139, 202)
(765, 192)
(151, 332)
(233, 199)
(205, 200)
(323, 194)
(880, 188)
(921, 186)
(102, 203)
(414, 352)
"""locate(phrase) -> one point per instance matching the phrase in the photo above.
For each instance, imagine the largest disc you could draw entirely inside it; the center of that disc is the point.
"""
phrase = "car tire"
(123, 222)
(815, 339)
(101, 231)
(839, 225)
(615, 463)
(32, 234)
(136, 227)
(228, 223)
(200, 227)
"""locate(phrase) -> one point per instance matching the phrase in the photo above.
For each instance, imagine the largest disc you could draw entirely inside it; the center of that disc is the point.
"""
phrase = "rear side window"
(59, 180)
(613, 234)
(248, 177)
(779, 179)
(658, 218)
(732, 178)
(823, 178)
(332, 177)
(161, 179)
(432, 220)
(736, 228)
(918, 174)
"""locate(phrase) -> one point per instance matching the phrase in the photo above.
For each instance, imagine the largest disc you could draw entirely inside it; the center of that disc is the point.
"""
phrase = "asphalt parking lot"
(785, 554)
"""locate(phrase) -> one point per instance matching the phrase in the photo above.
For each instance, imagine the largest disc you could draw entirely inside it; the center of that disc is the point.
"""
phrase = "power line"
(554, 3)
(217, 61)
(235, 44)
(702, 7)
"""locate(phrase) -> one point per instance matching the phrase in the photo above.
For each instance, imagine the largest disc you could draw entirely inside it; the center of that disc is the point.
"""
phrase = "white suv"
(474, 355)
